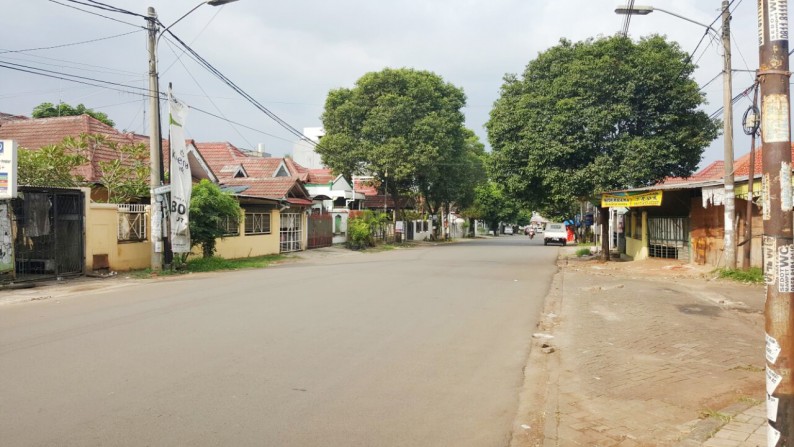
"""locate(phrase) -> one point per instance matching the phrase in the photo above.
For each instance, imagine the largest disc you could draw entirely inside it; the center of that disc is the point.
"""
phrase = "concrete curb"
(537, 407)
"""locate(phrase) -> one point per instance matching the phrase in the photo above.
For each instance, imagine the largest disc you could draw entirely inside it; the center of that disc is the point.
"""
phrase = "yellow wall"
(101, 237)
(244, 246)
(637, 249)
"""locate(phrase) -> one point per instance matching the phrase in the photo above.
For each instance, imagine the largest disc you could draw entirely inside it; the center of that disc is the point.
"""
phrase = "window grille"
(230, 226)
(132, 223)
(291, 232)
(257, 223)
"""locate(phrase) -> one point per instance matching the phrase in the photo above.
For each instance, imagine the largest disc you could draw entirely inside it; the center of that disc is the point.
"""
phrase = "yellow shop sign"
(631, 199)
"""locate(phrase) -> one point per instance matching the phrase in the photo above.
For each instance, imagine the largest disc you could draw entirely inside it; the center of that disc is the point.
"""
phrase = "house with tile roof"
(116, 235)
(687, 223)
(333, 194)
(272, 187)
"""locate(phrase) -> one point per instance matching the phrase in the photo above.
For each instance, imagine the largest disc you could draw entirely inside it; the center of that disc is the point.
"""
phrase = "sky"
(289, 55)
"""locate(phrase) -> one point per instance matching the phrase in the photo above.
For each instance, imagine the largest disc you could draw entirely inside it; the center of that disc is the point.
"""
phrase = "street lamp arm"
(205, 2)
(177, 21)
(708, 27)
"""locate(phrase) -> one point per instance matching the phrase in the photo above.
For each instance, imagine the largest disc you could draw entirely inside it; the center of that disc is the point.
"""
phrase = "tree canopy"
(405, 128)
(597, 115)
(48, 110)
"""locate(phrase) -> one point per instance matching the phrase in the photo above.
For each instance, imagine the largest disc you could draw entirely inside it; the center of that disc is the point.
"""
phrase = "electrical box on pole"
(778, 245)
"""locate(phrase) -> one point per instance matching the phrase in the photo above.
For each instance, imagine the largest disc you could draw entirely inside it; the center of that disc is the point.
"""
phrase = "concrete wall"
(101, 238)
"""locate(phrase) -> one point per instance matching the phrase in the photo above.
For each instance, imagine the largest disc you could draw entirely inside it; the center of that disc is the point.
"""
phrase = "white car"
(508, 230)
(555, 232)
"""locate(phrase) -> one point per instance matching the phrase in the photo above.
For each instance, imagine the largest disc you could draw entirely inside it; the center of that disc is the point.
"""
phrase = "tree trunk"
(603, 220)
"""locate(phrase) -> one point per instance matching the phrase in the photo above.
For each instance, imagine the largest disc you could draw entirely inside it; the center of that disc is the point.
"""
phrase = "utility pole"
(750, 123)
(777, 216)
(727, 96)
(154, 146)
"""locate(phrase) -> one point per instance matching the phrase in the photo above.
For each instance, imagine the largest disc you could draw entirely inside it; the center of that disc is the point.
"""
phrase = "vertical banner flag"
(181, 182)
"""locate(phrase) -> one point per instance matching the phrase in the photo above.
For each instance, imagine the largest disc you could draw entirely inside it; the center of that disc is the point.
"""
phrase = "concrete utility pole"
(154, 145)
(777, 216)
(727, 96)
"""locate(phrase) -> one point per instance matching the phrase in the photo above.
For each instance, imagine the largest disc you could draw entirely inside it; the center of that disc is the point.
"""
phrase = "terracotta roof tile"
(320, 176)
(742, 166)
(271, 188)
(35, 133)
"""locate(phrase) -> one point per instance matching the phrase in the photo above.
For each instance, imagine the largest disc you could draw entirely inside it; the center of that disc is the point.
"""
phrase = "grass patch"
(215, 263)
(583, 252)
(753, 276)
(196, 265)
(709, 413)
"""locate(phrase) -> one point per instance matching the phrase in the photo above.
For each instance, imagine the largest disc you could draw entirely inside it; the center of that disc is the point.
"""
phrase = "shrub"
(583, 252)
(754, 275)
(358, 234)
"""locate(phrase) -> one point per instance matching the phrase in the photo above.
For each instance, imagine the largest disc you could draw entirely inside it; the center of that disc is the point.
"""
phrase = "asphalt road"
(414, 347)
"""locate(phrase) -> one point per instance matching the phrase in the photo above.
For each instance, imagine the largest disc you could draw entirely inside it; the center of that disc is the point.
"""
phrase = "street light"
(645, 10)
(155, 140)
(727, 87)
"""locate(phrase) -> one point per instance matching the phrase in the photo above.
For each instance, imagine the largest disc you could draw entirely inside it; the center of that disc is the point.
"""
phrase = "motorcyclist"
(531, 232)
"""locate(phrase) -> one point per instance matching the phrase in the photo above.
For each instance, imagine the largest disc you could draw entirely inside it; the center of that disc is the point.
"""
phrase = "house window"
(230, 226)
(132, 222)
(257, 223)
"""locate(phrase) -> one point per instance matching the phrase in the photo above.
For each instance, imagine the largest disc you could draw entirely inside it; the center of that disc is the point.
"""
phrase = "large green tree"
(597, 115)
(402, 126)
(48, 109)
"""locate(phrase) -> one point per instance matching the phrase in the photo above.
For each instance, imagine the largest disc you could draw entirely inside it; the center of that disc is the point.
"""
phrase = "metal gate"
(668, 237)
(320, 231)
(291, 234)
(48, 233)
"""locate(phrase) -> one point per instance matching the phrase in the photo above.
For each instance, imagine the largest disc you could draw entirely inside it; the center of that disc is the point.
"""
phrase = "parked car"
(508, 229)
(555, 232)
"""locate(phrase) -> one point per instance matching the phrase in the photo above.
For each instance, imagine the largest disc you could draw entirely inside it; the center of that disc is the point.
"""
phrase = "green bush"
(358, 234)
(583, 252)
(360, 229)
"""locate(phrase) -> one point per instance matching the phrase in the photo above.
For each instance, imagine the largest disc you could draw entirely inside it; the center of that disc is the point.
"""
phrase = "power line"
(74, 65)
(106, 7)
(82, 80)
(205, 93)
(94, 13)
(70, 44)
(99, 84)
(239, 124)
(240, 91)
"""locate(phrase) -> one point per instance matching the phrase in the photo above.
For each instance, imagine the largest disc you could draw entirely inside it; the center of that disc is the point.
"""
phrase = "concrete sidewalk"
(645, 353)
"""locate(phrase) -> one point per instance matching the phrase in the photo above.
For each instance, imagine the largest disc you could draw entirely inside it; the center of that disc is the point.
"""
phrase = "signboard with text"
(8, 169)
(631, 199)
